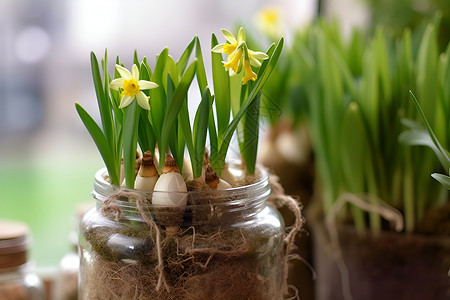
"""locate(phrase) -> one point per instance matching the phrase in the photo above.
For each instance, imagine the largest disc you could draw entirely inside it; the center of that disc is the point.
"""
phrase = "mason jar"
(17, 278)
(225, 244)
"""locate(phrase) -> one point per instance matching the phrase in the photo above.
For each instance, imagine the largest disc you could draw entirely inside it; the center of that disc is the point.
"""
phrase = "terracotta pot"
(386, 266)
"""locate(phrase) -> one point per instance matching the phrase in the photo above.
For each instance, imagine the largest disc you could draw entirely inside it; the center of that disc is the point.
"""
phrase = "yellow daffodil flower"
(249, 74)
(132, 87)
(236, 49)
(234, 60)
(268, 20)
(233, 43)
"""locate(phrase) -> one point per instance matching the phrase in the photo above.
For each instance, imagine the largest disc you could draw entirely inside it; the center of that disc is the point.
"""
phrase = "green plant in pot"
(286, 148)
(369, 185)
(177, 224)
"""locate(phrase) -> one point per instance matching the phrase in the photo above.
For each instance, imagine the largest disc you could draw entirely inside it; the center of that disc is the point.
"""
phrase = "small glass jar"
(66, 284)
(225, 244)
(17, 279)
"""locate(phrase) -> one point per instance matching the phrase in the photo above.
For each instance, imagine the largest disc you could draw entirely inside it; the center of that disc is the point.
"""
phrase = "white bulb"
(145, 183)
(171, 183)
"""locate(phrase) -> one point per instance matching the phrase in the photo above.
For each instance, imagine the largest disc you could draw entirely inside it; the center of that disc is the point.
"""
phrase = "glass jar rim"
(254, 193)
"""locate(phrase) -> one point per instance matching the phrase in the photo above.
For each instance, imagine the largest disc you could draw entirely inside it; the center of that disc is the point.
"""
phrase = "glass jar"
(66, 284)
(225, 244)
(17, 279)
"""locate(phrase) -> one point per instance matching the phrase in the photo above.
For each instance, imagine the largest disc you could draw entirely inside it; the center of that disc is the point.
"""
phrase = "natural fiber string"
(109, 206)
(380, 207)
(279, 198)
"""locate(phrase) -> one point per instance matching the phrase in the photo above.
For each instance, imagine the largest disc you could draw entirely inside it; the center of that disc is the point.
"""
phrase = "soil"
(385, 266)
(436, 221)
(196, 266)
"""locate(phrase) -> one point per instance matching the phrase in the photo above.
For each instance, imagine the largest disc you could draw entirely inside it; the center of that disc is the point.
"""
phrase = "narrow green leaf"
(130, 133)
(172, 111)
(354, 153)
(201, 73)
(267, 67)
(158, 99)
(443, 179)
(445, 160)
(136, 59)
(251, 134)
(170, 68)
(146, 134)
(185, 126)
(184, 59)
(149, 70)
(100, 141)
(221, 82)
(200, 130)
(103, 102)
(173, 136)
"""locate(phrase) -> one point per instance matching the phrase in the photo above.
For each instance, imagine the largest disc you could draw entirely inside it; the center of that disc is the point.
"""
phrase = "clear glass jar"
(229, 245)
(66, 283)
(17, 279)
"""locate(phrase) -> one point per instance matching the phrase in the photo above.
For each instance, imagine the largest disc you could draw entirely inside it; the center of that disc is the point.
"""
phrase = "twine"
(109, 206)
(280, 199)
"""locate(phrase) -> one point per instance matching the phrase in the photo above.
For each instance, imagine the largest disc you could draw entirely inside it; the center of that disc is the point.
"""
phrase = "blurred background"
(47, 158)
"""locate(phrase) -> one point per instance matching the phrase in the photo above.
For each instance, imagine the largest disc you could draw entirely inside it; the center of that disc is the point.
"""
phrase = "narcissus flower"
(132, 87)
(249, 74)
(239, 54)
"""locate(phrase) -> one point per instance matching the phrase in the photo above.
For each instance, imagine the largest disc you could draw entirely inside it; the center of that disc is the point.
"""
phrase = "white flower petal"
(254, 62)
(241, 35)
(135, 72)
(258, 55)
(218, 48)
(229, 36)
(116, 84)
(147, 85)
(124, 73)
(125, 101)
(142, 100)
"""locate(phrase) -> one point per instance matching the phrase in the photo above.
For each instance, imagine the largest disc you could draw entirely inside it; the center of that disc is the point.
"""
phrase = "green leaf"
(173, 136)
(201, 73)
(354, 148)
(266, 68)
(146, 134)
(171, 69)
(149, 70)
(130, 133)
(185, 129)
(251, 134)
(184, 59)
(221, 82)
(441, 153)
(200, 129)
(173, 109)
(101, 143)
(443, 179)
(136, 59)
(103, 102)
(354, 152)
(158, 99)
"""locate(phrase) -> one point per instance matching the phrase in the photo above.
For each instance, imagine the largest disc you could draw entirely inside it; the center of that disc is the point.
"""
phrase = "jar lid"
(14, 243)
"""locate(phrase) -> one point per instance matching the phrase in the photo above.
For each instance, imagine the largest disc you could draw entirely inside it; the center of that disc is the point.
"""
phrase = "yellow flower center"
(130, 88)
(229, 48)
